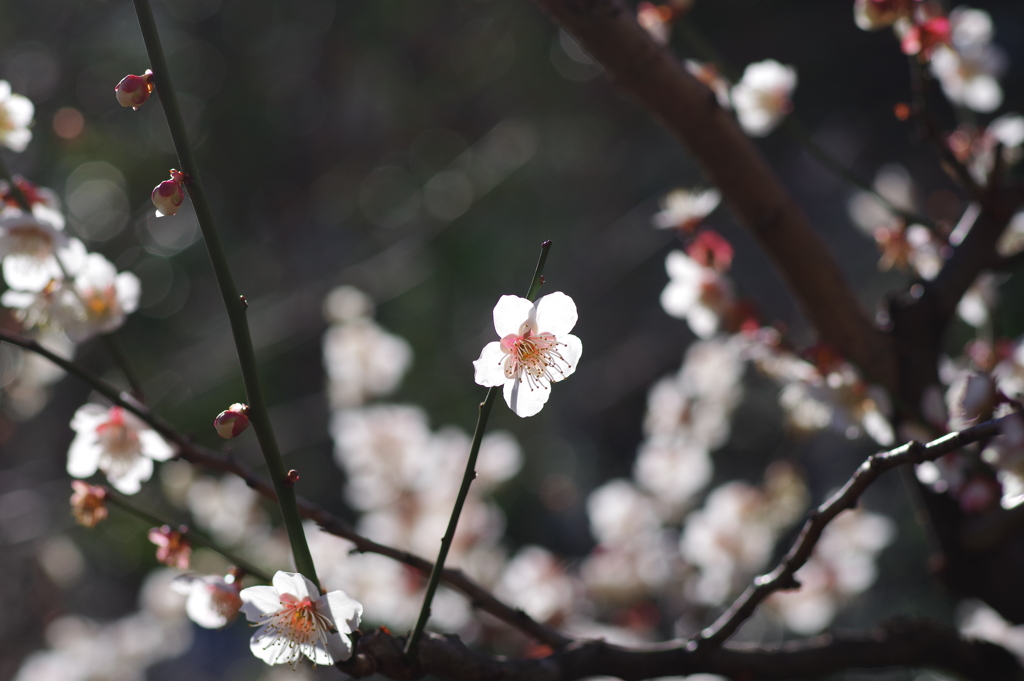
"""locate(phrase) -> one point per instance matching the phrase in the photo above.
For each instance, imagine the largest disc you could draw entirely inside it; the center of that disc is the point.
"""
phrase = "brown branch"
(480, 597)
(897, 644)
(782, 576)
(608, 31)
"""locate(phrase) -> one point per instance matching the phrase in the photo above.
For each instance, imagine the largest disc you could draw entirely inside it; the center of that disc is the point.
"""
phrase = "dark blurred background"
(333, 140)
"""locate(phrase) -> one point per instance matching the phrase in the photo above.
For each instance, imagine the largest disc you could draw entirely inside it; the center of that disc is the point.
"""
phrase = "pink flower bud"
(173, 549)
(169, 194)
(88, 503)
(133, 91)
(232, 422)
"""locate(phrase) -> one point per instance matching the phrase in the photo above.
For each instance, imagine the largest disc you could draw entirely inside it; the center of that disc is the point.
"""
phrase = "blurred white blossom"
(762, 97)
(116, 442)
(16, 112)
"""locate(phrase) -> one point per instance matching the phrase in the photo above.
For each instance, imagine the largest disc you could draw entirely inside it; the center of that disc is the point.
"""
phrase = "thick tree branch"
(480, 597)
(782, 577)
(608, 30)
(911, 644)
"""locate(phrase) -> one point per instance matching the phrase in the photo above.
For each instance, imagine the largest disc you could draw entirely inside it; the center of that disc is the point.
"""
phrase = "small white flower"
(213, 601)
(117, 443)
(685, 208)
(762, 97)
(29, 243)
(536, 349)
(16, 114)
(295, 620)
(698, 294)
(106, 298)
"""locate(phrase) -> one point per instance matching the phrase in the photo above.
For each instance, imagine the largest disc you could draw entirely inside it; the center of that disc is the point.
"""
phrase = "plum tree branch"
(480, 597)
(782, 577)
(914, 643)
(608, 31)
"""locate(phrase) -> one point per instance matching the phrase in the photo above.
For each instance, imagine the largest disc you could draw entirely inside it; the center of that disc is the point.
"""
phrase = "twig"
(468, 476)
(782, 576)
(194, 537)
(906, 644)
(479, 596)
(258, 414)
(608, 31)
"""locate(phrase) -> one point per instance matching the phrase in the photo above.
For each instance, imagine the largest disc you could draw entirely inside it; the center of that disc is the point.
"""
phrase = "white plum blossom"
(29, 244)
(700, 295)
(536, 581)
(733, 535)
(684, 209)
(535, 350)
(116, 442)
(362, 359)
(968, 68)
(295, 620)
(842, 565)
(212, 601)
(106, 296)
(762, 97)
(16, 113)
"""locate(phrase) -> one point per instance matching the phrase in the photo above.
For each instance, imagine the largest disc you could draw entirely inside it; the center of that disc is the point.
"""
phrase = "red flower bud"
(169, 194)
(133, 91)
(231, 422)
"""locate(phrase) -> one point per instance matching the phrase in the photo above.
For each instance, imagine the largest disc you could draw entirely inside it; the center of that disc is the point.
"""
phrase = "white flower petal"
(556, 313)
(84, 455)
(489, 370)
(572, 352)
(343, 610)
(154, 446)
(510, 313)
(526, 401)
(129, 288)
(295, 584)
(258, 601)
(703, 321)
(273, 649)
(130, 482)
(677, 299)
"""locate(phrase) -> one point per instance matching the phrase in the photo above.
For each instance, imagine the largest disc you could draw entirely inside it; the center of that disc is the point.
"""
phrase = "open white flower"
(117, 443)
(16, 113)
(762, 97)
(295, 619)
(212, 602)
(29, 243)
(685, 208)
(698, 294)
(106, 297)
(536, 349)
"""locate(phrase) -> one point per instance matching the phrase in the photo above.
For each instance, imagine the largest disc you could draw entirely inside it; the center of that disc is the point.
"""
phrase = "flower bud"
(173, 549)
(133, 91)
(169, 195)
(88, 503)
(231, 422)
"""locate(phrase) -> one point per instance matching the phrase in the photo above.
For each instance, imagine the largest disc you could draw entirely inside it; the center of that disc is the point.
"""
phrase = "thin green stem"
(120, 358)
(194, 537)
(236, 305)
(467, 477)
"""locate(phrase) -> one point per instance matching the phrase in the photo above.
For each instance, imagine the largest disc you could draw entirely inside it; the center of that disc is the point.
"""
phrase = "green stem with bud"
(193, 537)
(467, 477)
(236, 305)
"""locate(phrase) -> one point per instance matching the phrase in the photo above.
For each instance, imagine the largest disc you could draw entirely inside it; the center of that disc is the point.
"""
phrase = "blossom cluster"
(57, 291)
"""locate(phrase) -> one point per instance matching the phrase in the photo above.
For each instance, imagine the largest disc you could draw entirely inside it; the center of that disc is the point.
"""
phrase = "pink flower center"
(533, 356)
(119, 440)
(300, 624)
